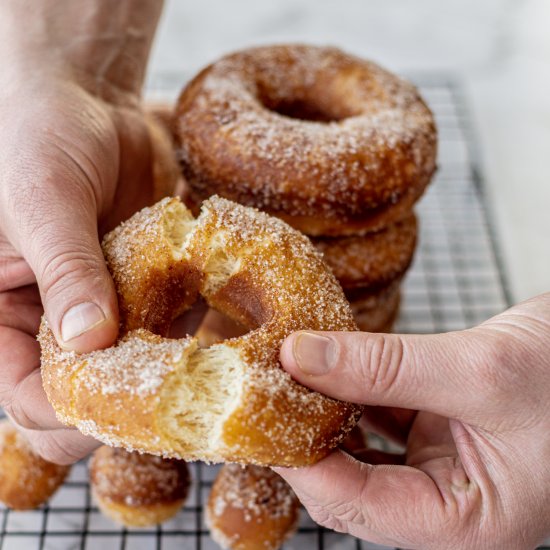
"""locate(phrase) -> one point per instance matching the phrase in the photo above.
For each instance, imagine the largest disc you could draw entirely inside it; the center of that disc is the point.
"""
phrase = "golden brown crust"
(26, 479)
(260, 273)
(250, 508)
(152, 288)
(332, 143)
(114, 394)
(376, 311)
(374, 260)
(137, 489)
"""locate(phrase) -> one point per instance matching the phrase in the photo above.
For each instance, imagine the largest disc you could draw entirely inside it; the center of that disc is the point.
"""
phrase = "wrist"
(102, 45)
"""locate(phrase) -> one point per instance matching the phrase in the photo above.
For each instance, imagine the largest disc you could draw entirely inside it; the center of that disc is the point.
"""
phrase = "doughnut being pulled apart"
(250, 508)
(137, 490)
(26, 479)
(231, 402)
(333, 144)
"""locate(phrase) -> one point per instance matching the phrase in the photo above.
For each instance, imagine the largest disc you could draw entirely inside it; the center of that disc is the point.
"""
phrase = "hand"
(476, 473)
(75, 160)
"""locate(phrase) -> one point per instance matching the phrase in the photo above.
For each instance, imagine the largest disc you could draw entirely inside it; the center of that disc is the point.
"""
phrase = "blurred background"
(498, 50)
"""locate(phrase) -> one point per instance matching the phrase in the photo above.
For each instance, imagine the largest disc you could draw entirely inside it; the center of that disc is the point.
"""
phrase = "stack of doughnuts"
(338, 147)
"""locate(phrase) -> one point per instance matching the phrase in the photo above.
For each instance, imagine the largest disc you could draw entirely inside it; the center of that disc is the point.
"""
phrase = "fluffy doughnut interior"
(207, 386)
(200, 396)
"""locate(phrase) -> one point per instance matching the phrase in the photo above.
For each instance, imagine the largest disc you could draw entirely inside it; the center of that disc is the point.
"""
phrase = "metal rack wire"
(456, 281)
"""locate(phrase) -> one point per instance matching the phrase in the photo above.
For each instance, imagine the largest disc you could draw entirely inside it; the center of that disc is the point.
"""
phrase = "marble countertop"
(500, 49)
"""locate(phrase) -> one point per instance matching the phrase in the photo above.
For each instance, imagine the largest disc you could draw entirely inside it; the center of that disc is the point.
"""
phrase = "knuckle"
(379, 359)
(64, 269)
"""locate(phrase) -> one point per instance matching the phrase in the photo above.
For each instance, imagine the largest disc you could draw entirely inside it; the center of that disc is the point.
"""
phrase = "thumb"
(390, 505)
(445, 374)
(58, 238)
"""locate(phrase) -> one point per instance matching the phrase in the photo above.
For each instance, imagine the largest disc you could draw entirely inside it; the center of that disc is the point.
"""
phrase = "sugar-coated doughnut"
(331, 143)
(251, 508)
(230, 402)
(136, 489)
(373, 260)
(376, 311)
(26, 479)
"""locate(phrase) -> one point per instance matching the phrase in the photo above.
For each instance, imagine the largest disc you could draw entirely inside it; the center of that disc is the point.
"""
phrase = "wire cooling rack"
(456, 281)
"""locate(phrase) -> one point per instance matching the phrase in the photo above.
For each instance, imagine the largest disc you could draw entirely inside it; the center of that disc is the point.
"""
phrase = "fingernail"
(80, 319)
(315, 354)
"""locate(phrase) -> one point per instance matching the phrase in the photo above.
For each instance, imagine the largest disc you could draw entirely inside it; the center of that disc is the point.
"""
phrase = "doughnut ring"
(333, 144)
(231, 402)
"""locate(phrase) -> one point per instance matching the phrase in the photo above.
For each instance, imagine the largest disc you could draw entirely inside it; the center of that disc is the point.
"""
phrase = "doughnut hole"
(314, 102)
(303, 110)
(217, 327)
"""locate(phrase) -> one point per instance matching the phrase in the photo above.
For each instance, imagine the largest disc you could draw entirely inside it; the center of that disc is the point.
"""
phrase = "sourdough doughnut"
(26, 479)
(135, 489)
(232, 401)
(376, 312)
(250, 508)
(373, 260)
(333, 144)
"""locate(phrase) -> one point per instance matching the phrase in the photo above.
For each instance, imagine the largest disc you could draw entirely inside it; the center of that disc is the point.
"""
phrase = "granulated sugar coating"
(251, 507)
(371, 261)
(137, 489)
(26, 479)
(305, 131)
(137, 479)
(231, 401)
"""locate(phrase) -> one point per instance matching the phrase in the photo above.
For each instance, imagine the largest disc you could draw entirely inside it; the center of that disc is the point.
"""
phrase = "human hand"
(476, 473)
(76, 158)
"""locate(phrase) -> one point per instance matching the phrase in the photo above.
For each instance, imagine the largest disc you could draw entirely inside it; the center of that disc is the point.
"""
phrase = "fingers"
(21, 393)
(62, 446)
(14, 273)
(21, 309)
(432, 372)
(56, 232)
(391, 505)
